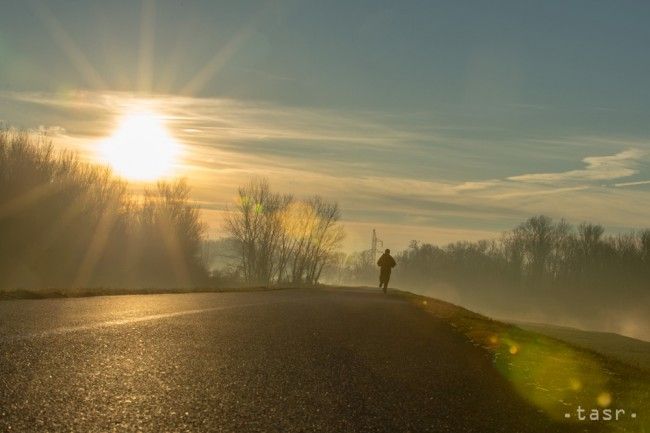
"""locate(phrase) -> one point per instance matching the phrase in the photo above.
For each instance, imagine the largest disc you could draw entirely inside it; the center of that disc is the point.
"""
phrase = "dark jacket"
(386, 261)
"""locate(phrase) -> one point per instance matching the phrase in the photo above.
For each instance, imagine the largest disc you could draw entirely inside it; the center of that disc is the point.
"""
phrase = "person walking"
(386, 264)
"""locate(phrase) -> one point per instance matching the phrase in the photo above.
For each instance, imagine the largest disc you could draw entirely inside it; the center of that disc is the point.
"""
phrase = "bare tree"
(257, 224)
(540, 239)
(282, 239)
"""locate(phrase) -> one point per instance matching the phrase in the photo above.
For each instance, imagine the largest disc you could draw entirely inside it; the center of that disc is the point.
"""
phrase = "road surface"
(282, 361)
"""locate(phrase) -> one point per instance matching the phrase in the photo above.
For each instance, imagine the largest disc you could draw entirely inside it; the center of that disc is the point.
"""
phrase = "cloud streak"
(610, 167)
(638, 183)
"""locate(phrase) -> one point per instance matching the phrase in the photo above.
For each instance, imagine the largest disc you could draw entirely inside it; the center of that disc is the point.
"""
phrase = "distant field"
(626, 349)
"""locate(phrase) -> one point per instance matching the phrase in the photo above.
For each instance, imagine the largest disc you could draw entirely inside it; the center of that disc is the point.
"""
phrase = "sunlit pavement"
(256, 361)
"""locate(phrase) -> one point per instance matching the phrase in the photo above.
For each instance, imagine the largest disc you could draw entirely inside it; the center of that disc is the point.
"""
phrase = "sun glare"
(141, 147)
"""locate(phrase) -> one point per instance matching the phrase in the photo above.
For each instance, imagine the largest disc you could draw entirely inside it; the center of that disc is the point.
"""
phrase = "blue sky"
(429, 120)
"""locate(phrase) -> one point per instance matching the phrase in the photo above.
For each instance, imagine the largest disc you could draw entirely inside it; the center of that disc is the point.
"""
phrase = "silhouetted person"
(386, 263)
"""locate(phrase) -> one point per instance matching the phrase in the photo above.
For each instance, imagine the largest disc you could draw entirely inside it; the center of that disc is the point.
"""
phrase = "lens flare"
(604, 399)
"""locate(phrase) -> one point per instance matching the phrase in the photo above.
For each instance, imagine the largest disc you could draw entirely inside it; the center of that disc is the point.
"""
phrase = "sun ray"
(217, 62)
(147, 45)
(175, 56)
(68, 45)
(26, 199)
(58, 226)
(95, 249)
(175, 255)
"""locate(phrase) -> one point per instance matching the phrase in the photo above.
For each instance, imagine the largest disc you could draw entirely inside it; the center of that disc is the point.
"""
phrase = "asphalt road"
(283, 361)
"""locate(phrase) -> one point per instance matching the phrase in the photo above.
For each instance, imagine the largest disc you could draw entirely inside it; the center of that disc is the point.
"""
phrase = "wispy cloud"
(609, 167)
(640, 182)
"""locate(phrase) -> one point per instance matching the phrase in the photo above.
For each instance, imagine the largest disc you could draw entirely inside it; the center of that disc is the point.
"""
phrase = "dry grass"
(553, 375)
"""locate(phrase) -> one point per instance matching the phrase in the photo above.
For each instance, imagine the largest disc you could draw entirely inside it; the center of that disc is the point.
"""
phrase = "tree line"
(66, 223)
(541, 259)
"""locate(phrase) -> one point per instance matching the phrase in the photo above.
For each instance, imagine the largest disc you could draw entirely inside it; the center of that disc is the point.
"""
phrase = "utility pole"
(375, 246)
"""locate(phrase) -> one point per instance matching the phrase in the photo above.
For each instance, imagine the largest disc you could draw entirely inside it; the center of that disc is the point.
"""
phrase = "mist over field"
(543, 270)
(625, 318)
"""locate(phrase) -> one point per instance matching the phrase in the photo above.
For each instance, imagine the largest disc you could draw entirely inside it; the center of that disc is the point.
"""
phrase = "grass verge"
(556, 377)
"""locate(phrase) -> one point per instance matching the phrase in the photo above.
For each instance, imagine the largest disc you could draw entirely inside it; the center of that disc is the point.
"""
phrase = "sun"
(141, 148)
